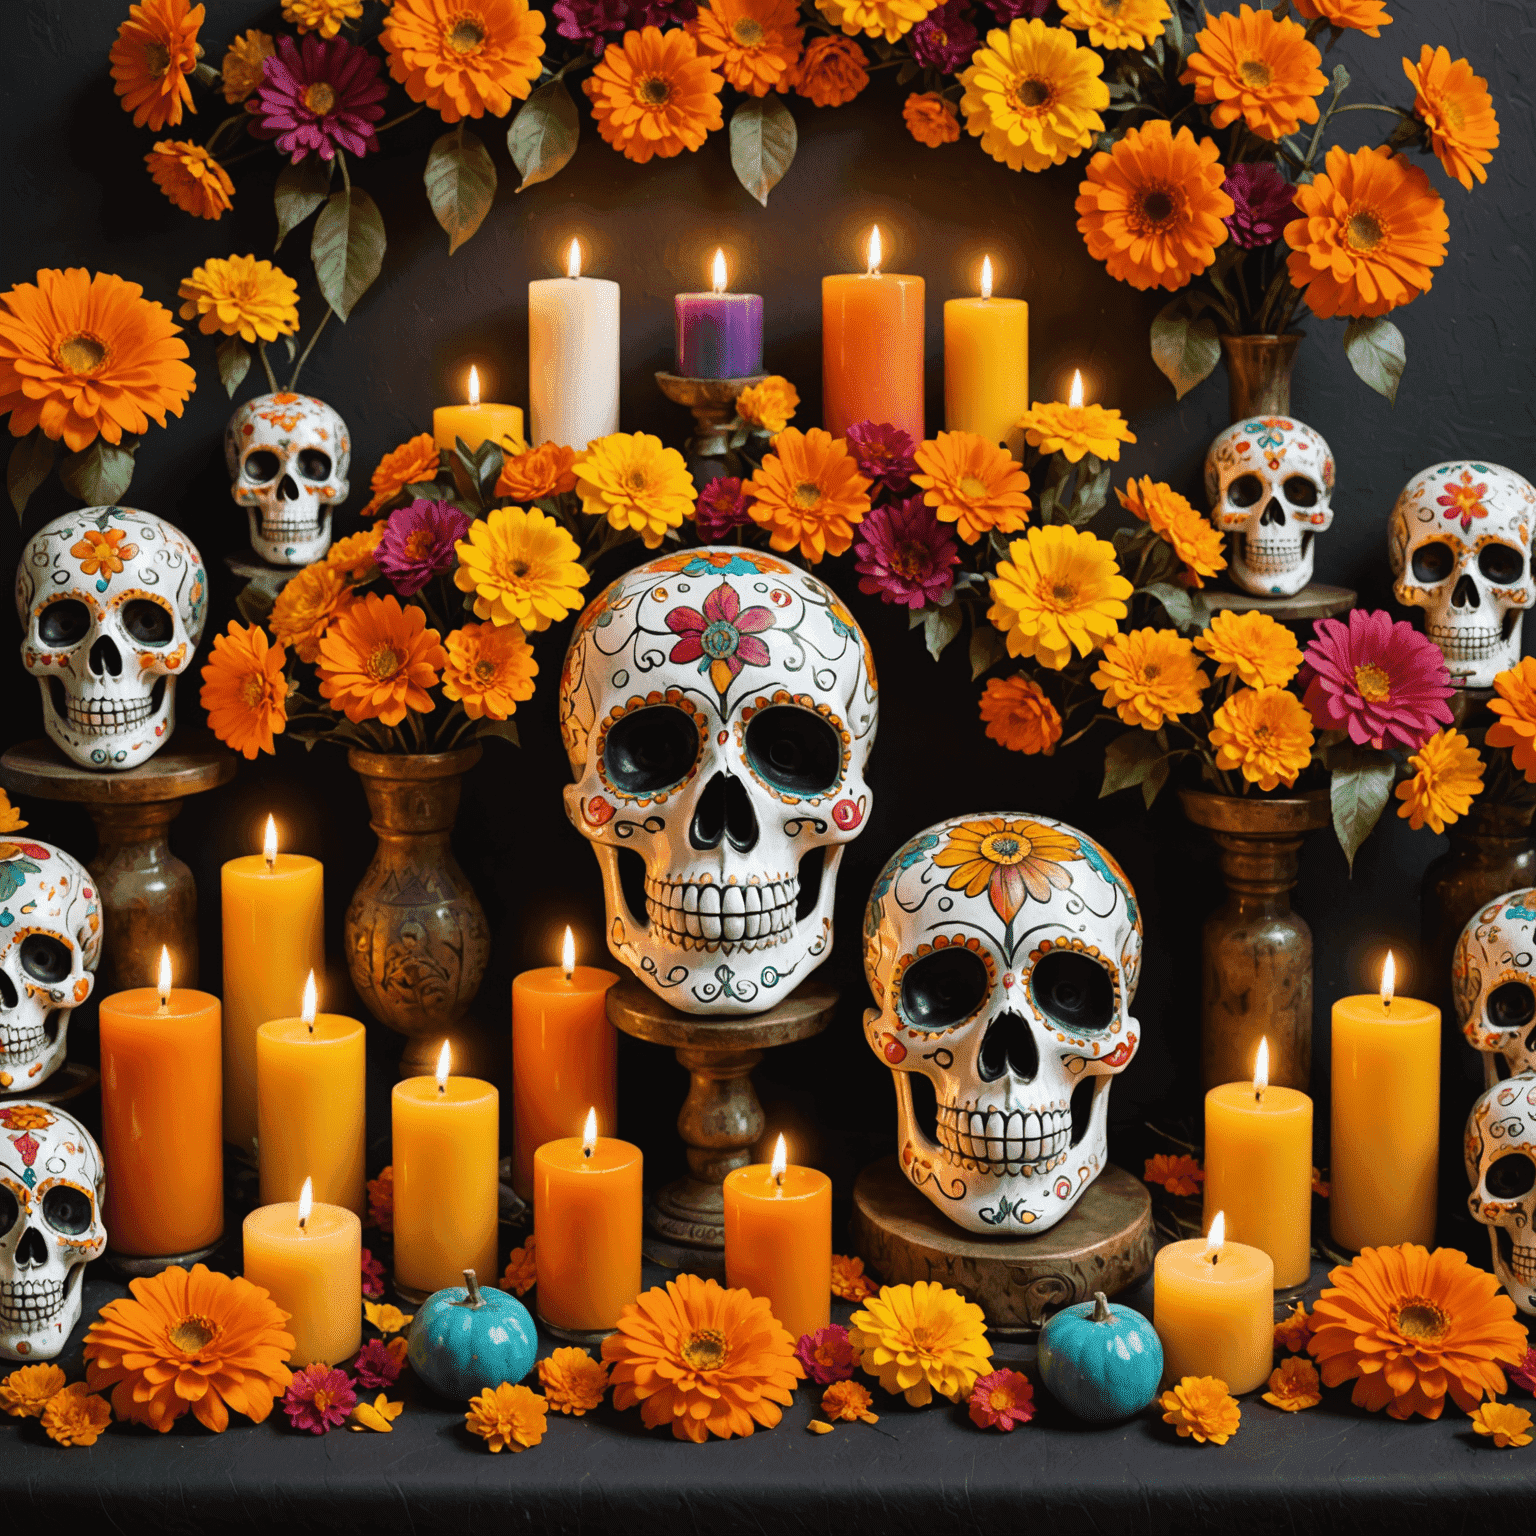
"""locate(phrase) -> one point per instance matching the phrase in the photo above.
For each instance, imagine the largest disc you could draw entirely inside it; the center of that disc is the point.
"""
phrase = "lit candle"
(447, 1194)
(986, 365)
(778, 1239)
(573, 356)
(1213, 1306)
(587, 1215)
(719, 334)
(307, 1256)
(1385, 1141)
(160, 1118)
(872, 348)
(274, 935)
(1258, 1168)
(564, 1056)
(477, 421)
(310, 1081)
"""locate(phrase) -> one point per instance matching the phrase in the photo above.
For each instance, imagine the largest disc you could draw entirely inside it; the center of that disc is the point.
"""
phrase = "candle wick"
(1258, 1095)
(303, 1222)
(1214, 1257)
(586, 1152)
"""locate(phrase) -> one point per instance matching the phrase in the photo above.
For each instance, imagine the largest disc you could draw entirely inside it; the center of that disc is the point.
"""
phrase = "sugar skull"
(1493, 979)
(1501, 1168)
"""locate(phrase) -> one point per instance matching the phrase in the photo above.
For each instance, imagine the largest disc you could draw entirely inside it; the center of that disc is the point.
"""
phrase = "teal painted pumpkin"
(1102, 1363)
(467, 1338)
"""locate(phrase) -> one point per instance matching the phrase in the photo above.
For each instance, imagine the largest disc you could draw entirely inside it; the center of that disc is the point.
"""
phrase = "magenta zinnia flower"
(320, 1398)
(1524, 1374)
(661, 13)
(376, 1366)
(587, 21)
(720, 508)
(905, 554)
(321, 96)
(1265, 202)
(1001, 1400)
(944, 39)
(884, 453)
(418, 543)
(827, 1355)
(1012, 10)
(373, 1276)
(1376, 679)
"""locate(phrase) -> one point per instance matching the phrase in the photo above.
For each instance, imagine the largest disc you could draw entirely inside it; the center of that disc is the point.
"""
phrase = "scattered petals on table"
(1503, 1423)
(1293, 1330)
(849, 1402)
(379, 1415)
(386, 1317)
(1294, 1385)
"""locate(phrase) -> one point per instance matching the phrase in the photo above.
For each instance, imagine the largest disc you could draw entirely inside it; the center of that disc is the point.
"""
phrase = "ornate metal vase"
(1259, 374)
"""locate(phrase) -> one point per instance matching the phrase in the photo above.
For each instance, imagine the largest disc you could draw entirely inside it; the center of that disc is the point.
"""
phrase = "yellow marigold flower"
(1448, 775)
(490, 669)
(1171, 517)
(1293, 1331)
(1116, 23)
(522, 1271)
(1516, 709)
(377, 661)
(930, 119)
(505, 1416)
(808, 493)
(540, 472)
(769, 406)
(573, 1381)
(76, 1416)
(379, 1415)
(26, 1392)
(244, 690)
(849, 1280)
(464, 61)
(1266, 732)
(523, 568)
(636, 483)
(1256, 649)
(849, 1402)
(1033, 96)
(387, 1317)
(155, 51)
(1503, 1423)
(1294, 1385)
(831, 71)
(1256, 67)
(1200, 1409)
(242, 69)
(1054, 426)
(652, 94)
(889, 19)
(1455, 106)
(1060, 589)
(1149, 676)
(191, 178)
(1179, 1174)
(1019, 716)
(1367, 16)
(972, 483)
(755, 44)
(354, 555)
(921, 1339)
(10, 817)
(322, 16)
(307, 606)
(241, 296)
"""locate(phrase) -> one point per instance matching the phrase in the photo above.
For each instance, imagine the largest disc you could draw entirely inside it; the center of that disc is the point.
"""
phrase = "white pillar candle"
(573, 357)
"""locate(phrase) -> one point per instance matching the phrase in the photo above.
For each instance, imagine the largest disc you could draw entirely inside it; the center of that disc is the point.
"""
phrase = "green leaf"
(100, 474)
(348, 248)
(1359, 790)
(1089, 494)
(1184, 345)
(234, 363)
(763, 143)
(543, 135)
(940, 626)
(908, 71)
(987, 649)
(1175, 601)
(31, 459)
(1377, 352)
(299, 191)
(461, 183)
(258, 595)
(1128, 759)
(205, 74)
(505, 729)
(1152, 785)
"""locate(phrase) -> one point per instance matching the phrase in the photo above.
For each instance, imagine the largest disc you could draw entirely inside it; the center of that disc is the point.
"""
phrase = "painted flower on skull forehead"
(723, 638)
(1463, 500)
(1012, 861)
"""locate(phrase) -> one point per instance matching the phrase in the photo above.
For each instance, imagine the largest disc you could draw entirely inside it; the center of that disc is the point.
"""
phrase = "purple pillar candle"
(719, 334)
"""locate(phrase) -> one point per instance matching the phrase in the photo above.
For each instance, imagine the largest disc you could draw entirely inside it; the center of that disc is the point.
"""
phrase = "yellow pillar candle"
(311, 1073)
(986, 365)
(446, 1189)
(1213, 1305)
(308, 1257)
(1258, 1169)
(1385, 1140)
(477, 421)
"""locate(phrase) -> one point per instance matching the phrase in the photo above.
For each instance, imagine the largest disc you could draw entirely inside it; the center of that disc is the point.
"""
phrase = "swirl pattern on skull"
(1493, 979)
(718, 707)
(1501, 1168)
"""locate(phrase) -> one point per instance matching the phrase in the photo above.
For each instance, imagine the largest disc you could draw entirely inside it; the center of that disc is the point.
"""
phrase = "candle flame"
(306, 1202)
(986, 277)
(1388, 980)
(444, 1061)
(310, 1003)
(875, 252)
(163, 980)
(1216, 1237)
(719, 277)
(568, 953)
(1075, 397)
(269, 844)
(474, 385)
(1261, 1067)
(573, 260)
(589, 1133)
(780, 1161)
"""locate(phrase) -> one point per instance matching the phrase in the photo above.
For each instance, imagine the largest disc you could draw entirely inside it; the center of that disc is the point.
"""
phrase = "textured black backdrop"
(75, 193)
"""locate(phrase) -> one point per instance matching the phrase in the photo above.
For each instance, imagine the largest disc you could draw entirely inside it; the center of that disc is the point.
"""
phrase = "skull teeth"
(108, 716)
(1522, 1265)
(23, 1042)
(1020, 1141)
(696, 915)
(1464, 644)
(1271, 556)
(289, 527)
(29, 1302)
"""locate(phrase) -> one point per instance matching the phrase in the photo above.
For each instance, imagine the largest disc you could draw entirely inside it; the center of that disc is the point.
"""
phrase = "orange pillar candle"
(872, 348)
(274, 935)
(986, 365)
(778, 1239)
(1258, 1168)
(1213, 1305)
(311, 1073)
(587, 1217)
(162, 1141)
(564, 1056)
(1385, 1141)
(307, 1256)
(447, 1195)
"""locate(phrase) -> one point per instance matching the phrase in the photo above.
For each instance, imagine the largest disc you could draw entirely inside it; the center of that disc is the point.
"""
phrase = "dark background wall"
(74, 192)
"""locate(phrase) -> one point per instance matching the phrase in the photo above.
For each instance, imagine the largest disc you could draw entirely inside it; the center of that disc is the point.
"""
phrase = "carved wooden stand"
(1315, 601)
(721, 1118)
(713, 403)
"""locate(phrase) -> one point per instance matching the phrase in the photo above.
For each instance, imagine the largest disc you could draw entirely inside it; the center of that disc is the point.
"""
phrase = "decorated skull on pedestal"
(288, 457)
(112, 601)
(1493, 980)
(1459, 540)
(50, 941)
(1501, 1167)
(718, 708)
(1003, 952)
(52, 1184)
(1269, 481)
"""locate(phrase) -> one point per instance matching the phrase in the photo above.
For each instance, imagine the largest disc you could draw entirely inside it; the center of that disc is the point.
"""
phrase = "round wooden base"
(132, 1266)
(1105, 1243)
(1316, 601)
(587, 1338)
(69, 1082)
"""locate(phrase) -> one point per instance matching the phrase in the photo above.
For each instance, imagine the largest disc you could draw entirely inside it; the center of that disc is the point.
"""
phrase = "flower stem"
(394, 121)
(261, 352)
(293, 378)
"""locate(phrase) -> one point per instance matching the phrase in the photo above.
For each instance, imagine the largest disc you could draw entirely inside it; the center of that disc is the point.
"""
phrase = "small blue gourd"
(469, 1337)
(1101, 1363)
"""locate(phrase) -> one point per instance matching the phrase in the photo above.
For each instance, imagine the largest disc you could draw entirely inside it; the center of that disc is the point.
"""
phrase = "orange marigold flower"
(930, 119)
(1148, 676)
(1171, 517)
(464, 61)
(1293, 1331)
(769, 406)
(831, 72)
(1503, 1423)
(413, 463)
(26, 1392)
(1179, 1175)
(381, 1201)
(849, 1402)
(972, 483)
(653, 94)
(1294, 1385)
(1200, 1408)
(1516, 709)
(522, 1271)
(244, 690)
(243, 67)
(1264, 732)
(808, 493)
(355, 555)
(1458, 111)
(573, 1381)
(849, 1280)
(307, 606)
(76, 1416)
(1259, 68)
(191, 178)
(542, 471)
(1368, 16)
(890, 19)
(490, 669)
(507, 1415)
(323, 17)
(155, 51)
(1019, 716)
(378, 660)
(755, 44)
(1255, 648)
(1448, 775)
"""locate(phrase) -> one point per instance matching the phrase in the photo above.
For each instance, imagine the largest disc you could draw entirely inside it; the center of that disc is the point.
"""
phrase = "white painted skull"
(112, 601)
(1501, 1168)
(1459, 540)
(1269, 480)
(1493, 980)
(50, 941)
(718, 707)
(1003, 952)
(52, 1188)
(288, 457)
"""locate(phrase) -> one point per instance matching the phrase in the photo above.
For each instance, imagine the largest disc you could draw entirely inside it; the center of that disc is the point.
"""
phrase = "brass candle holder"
(713, 403)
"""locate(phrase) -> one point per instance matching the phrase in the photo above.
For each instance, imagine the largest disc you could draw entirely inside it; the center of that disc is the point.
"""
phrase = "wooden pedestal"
(1104, 1244)
(1315, 601)
(713, 403)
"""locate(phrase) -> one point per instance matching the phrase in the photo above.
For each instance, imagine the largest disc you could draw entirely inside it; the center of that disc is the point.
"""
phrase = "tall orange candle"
(564, 1056)
(986, 365)
(872, 348)
(778, 1239)
(162, 1141)
(587, 1215)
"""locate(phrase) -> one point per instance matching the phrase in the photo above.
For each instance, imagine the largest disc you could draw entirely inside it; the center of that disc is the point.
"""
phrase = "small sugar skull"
(288, 457)
(1493, 978)
(1501, 1168)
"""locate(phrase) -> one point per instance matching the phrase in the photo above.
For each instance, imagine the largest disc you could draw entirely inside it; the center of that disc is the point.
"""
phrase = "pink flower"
(827, 1355)
(377, 1365)
(319, 1399)
(1524, 1374)
(418, 543)
(324, 97)
(721, 507)
(373, 1276)
(884, 453)
(1376, 679)
(1001, 1400)
(723, 638)
(905, 554)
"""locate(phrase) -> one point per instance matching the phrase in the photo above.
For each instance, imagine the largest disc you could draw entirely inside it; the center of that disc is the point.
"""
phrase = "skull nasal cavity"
(32, 1250)
(1274, 514)
(1465, 594)
(288, 488)
(1008, 1047)
(724, 811)
(105, 658)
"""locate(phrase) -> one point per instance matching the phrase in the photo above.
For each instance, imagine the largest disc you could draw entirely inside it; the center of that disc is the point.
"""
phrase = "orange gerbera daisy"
(191, 178)
(378, 660)
(490, 668)
(244, 690)
(1258, 68)
(755, 44)
(808, 493)
(155, 51)
(1368, 16)
(1458, 111)
(1151, 208)
(1369, 232)
(831, 71)
(1173, 518)
(204, 1341)
(412, 463)
(84, 355)
(542, 471)
(1019, 716)
(705, 1360)
(1516, 709)
(930, 119)
(653, 94)
(306, 606)
(464, 58)
(972, 483)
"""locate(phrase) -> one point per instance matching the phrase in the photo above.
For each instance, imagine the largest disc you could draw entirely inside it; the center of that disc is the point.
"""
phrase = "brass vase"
(1255, 952)
(1259, 374)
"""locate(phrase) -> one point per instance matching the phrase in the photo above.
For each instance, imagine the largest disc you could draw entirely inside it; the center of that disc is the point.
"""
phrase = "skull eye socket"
(1300, 491)
(261, 465)
(794, 750)
(65, 622)
(650, 749)
(1511, 1006)
(1246, 491)
(45, 958)
(1501, 563)
(67, 1210)
(1073, 990)
(9, 1210)
(944, 988)
(1510, 1176)
(1432, 562)
(147, 622)
(314, 465)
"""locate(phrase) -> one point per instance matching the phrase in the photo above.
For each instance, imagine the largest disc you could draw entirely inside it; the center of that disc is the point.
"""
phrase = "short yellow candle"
(1258, 1169)
(274, 935)
(311, 1075)
(1213, 1305)
(308, 1257)
(1385, 1141)
(446, 1189)
(986, 365)
(477, 421)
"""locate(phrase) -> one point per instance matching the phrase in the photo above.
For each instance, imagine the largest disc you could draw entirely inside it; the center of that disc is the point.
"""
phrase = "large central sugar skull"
(718, 707)
(1269, 481)
(50, 941)
(52, 1184)
(112, 602)
(1501, 1168)
(1003, 952)
(1493, 980)
(1459, 541)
